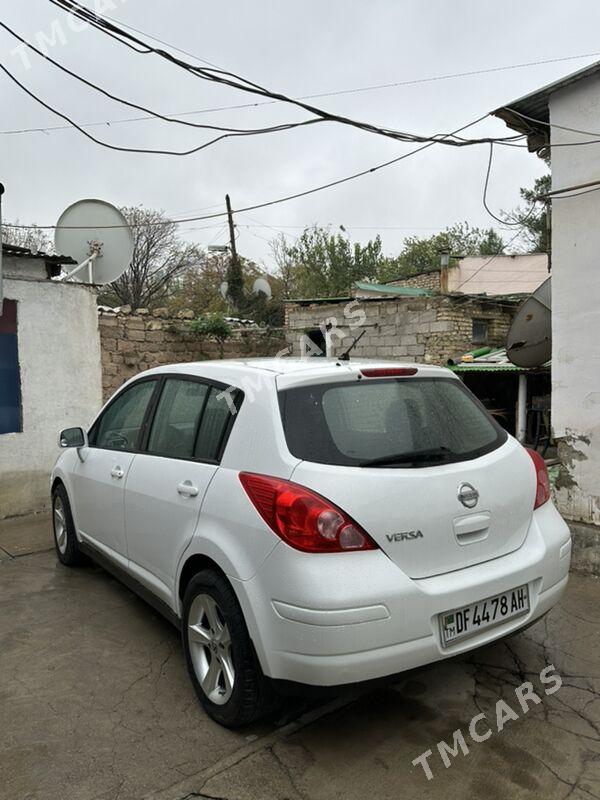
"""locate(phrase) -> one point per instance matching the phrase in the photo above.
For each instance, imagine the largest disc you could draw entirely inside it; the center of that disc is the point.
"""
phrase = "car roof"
(231, 369)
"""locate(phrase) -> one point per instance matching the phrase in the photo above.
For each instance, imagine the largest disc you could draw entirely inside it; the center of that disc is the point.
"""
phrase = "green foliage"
(327, 264)
(213, 325)
(235, 286)
(534, 225)
(421, 255)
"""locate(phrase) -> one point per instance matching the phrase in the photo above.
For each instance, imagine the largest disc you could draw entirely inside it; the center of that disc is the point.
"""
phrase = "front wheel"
(65, 539)
(219, 654)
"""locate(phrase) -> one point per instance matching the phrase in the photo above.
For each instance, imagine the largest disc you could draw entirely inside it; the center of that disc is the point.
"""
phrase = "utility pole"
(234, 257)
(235, 276)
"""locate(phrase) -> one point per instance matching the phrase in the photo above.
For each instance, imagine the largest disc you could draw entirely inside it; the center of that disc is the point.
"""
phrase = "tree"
(533, 220)
(284, 264)
(34, 238)
(235, 285)
(159, 256)
(420, 255)
(322, 263)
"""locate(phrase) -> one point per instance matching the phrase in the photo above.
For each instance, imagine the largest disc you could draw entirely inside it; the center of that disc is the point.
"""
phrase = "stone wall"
(426, 280)
(131, 343)
(428, 329)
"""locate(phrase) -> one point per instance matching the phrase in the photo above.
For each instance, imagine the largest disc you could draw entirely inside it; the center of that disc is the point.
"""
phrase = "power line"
(573, 194)
(551, 124)
(332, 93)
(232, 80)
(286, 198)
(146, 151)
(485, 189)
(129, 104)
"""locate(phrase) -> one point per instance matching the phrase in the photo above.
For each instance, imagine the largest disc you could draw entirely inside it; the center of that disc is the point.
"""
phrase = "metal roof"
(536, 105)
(382, 288)
(494, 361)
(14, 251)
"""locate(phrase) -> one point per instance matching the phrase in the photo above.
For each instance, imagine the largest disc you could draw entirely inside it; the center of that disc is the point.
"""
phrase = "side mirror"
(73, 437)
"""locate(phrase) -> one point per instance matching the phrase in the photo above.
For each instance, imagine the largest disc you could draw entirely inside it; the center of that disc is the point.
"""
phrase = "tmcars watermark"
(354, 317)
(59, 30)
(480, 728)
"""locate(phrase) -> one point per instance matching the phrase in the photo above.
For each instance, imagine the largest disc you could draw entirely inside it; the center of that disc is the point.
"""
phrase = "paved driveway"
(95, 703)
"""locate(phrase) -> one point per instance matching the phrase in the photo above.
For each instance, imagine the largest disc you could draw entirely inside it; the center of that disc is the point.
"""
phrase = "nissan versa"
(311, 521)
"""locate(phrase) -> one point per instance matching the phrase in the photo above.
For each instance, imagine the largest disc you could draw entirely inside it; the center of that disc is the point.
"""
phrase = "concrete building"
(564, 113)
(420, 327)
(491, 275)
(50, 375)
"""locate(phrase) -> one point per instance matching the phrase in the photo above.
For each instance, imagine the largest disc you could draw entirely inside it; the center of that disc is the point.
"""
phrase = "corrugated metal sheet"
(386, 289)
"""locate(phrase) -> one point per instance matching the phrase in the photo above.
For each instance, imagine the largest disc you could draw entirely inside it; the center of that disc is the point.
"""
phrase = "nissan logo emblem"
(468, 495)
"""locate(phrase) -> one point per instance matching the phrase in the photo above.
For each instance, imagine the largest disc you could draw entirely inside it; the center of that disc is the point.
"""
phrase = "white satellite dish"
(262, 285)
(98, 237)
(529, 340)
(224, 287)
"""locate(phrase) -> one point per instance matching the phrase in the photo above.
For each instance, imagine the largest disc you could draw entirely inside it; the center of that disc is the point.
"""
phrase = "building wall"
(132, 343)
(429, 329)
(59, 359)
(517, 274)
(426, 280)
(576, 304)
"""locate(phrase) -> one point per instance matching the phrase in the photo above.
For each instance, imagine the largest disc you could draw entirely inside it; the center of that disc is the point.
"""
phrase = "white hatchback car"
(311, 521)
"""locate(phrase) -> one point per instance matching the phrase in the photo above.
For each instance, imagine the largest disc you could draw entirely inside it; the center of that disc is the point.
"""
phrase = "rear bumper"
(335, 619)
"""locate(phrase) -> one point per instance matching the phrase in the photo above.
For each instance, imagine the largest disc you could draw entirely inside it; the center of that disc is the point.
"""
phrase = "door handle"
(117, 472)
(187, 489)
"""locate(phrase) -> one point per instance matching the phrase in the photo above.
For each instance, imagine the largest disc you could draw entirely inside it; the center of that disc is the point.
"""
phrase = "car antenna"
(346, 354)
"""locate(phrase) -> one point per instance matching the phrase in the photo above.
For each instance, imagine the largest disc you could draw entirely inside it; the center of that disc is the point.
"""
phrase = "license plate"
(469, 620)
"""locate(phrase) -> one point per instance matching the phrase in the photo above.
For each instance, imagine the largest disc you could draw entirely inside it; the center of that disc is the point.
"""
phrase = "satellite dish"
(529, 340)
(223, 288)
(98, 237)
(262, 285)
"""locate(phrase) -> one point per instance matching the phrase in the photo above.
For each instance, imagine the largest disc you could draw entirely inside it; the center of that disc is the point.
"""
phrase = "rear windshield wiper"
(412, 457)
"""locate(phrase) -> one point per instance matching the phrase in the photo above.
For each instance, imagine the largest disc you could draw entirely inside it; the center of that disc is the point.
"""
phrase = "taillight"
(542, 491)
(302, 518)
(388, 372)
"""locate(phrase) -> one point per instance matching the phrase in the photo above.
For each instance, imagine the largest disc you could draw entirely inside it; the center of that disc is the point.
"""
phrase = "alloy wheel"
(209, 641)
(60, 525)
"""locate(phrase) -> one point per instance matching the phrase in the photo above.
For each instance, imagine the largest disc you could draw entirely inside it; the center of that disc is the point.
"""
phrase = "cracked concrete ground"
(95, 705)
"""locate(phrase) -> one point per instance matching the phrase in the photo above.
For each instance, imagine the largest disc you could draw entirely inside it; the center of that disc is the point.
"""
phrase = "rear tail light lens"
(542, 491)
(302, 518)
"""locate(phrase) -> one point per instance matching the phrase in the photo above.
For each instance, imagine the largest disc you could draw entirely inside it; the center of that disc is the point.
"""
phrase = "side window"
(178, 413)
(120, 426)
(217, 418)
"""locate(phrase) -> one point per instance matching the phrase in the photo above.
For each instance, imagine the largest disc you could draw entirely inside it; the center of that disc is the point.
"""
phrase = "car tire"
(65, 539)
(219, 654)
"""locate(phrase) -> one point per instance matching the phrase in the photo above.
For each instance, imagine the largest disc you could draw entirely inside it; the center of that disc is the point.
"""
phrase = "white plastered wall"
(61, 385)
(576, 302)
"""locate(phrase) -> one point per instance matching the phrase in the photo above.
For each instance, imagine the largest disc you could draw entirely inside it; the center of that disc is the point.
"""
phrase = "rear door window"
(177, 418)
(192, 420)
(421, 420)
(216, 423)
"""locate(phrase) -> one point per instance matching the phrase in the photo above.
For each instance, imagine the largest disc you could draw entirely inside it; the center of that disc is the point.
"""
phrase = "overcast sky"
(300, 47)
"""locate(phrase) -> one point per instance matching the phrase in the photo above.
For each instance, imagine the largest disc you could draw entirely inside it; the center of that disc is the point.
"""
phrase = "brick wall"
(426, 280)
(131, 343)
(428, 329)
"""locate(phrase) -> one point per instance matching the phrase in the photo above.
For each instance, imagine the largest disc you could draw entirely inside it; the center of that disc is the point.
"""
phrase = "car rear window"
(414, 421)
